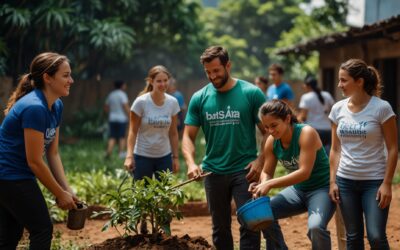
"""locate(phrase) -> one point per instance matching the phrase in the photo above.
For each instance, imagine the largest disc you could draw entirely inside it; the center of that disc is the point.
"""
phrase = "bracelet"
(129, 156)
(175, 157)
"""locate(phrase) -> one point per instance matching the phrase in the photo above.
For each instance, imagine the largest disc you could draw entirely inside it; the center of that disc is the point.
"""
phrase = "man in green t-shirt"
(226, 109)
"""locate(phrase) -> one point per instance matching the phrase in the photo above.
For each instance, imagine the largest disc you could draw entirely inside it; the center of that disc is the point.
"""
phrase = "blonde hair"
(153, 72)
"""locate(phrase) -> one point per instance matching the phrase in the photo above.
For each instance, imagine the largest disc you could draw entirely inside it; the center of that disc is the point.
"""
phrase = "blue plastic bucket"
(257, 214)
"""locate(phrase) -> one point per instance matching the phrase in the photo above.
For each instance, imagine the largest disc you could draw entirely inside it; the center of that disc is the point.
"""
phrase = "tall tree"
(101, 37)
(329, 18)
(247, 27)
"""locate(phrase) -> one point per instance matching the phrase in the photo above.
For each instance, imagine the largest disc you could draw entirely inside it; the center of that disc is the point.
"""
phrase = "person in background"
(314, 108)
(30, 130)
(262, 83)
(153, 135)
(118, 109)
(279, 89)
(363, 155)
(173, 90)
(225, 108)
(299, 149)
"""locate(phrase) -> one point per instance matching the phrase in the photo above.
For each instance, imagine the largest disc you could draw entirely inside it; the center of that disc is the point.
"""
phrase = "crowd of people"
(342, 153)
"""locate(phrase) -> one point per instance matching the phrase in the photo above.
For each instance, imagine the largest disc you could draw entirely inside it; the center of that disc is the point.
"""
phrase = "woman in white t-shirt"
(315, 106)
(153, 135)
(152, 145)
(362, 168)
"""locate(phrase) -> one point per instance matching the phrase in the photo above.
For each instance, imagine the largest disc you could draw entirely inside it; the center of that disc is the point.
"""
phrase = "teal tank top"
(289, 158)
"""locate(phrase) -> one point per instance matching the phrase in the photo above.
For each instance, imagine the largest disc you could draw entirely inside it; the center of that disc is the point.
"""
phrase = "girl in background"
(152, 144)
(315, 106)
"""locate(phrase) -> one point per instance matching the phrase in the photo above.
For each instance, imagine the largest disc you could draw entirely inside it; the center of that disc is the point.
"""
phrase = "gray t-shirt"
(116, 101)
(153, 135)
(363, 154)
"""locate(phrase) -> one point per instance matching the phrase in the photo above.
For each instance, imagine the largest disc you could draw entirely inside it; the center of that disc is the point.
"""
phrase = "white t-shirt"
(153, 135)
(317, 113)
(116, 101)
(363, 154)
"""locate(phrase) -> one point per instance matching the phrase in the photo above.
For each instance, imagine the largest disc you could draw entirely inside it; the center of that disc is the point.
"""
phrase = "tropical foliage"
(98, 34)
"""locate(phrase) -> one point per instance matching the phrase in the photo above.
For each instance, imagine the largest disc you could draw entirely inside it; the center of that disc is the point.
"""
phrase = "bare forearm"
(391, 165)
(288, 180)
(333, 166)
(42, 172)
(174, 138)
(57, 170)
(188, 150)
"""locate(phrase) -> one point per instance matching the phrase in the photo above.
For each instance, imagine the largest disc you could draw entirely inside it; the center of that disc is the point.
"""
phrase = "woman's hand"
(261, 189)
(384, 195)
(334, 192)
(129, 163)
(66, 201)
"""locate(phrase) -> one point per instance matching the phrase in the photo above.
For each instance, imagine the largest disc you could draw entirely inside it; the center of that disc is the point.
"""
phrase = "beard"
(220, 82)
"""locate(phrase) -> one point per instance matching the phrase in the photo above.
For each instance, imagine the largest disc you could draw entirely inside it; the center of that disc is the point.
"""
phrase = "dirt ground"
(294, 229)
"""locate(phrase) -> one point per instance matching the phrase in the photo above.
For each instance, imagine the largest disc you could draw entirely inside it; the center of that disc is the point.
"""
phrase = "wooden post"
(340, 229)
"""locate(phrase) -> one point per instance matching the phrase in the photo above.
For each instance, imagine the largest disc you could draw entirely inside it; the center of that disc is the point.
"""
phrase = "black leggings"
(22, 205)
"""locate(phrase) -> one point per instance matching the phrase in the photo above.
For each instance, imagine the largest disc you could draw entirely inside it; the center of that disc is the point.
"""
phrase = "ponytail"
(357, 68)
(312, 82)
(146, 89)
(25, 86)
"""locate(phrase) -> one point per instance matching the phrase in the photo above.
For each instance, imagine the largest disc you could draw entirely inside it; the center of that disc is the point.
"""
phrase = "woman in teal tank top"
(299, 149)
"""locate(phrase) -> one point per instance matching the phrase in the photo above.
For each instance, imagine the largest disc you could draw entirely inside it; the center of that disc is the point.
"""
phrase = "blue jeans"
(146, 166)
(219, 191)
(358, 199)
(290, 202)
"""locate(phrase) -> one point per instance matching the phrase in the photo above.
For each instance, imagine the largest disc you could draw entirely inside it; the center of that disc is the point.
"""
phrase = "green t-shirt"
(289, 158)
(228, 121)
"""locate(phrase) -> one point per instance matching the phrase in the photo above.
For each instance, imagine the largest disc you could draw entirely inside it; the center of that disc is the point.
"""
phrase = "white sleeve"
(125, 98)
(175, 107)
(138, 106)
(333, 113)
(385, 112)
(303, 102)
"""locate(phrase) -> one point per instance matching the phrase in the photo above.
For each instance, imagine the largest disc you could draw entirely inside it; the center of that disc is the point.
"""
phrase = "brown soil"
(294, 229)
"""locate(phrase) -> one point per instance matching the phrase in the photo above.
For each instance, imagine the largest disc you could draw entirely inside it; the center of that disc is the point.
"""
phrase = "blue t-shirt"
(178, 95)
(31, 111)
(283, 91)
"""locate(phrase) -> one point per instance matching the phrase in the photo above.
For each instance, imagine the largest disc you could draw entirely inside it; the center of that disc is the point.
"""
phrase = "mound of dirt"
(159, 242)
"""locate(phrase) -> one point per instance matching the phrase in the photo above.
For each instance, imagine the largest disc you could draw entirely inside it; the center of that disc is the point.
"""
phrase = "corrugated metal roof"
(389, 28)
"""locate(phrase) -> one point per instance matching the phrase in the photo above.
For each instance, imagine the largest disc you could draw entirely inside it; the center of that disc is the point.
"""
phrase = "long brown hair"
(357, 69)
(153, 72)
(48, 63)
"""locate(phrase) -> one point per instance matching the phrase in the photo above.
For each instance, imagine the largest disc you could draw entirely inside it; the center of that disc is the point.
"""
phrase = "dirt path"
(294, 229)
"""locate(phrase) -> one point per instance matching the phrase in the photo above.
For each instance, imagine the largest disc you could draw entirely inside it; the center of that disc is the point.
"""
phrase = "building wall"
(368, 51)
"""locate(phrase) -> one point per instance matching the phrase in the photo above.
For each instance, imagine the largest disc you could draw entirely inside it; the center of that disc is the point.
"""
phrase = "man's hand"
(194, 171)
(255, 171)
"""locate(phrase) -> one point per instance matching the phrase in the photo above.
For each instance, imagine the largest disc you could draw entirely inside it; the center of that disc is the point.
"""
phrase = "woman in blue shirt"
(30, 130)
